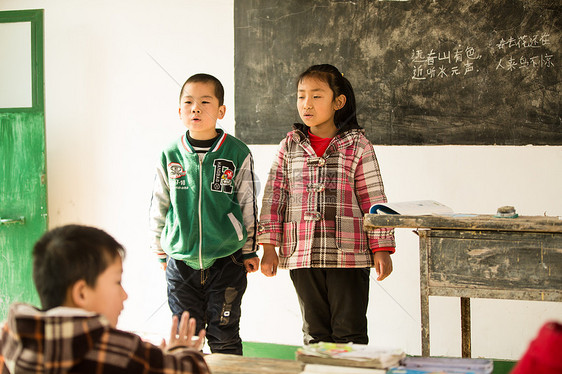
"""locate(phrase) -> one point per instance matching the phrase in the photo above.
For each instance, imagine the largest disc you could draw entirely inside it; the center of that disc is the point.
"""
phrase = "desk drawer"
(499, 264)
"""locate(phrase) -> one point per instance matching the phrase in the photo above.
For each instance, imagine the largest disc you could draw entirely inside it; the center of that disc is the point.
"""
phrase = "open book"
(412, 208)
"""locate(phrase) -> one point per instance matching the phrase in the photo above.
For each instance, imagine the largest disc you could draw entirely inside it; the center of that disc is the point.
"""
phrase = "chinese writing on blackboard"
(519, 52)
(444, 64)
(524, 52)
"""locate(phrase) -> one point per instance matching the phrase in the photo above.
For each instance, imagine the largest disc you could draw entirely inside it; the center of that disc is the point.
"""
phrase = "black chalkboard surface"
(474, 72)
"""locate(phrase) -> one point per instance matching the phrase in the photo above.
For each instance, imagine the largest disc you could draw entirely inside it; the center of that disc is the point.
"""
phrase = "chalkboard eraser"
(506, 212)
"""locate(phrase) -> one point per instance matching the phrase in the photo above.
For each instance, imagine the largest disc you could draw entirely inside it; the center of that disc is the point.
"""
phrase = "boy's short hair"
(67, 254)
(206, 78)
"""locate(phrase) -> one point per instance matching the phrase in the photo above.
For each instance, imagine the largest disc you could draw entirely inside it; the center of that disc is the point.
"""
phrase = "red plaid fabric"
(313, 207)
(68, 340)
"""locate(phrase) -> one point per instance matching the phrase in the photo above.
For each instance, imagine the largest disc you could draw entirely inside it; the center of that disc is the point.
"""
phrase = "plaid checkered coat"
(70, 340)
(313, 206)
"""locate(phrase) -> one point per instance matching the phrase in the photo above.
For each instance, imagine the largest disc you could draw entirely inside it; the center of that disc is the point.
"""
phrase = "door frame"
(35, 17)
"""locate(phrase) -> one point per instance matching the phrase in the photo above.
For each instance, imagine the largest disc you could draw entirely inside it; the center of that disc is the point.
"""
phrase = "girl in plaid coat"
(324, 179)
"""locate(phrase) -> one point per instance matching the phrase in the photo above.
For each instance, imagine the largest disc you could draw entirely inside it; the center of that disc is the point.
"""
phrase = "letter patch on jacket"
(224, 173)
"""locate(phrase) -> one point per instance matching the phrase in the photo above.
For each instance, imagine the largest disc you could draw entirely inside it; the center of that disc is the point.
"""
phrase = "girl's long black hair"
(346, 117)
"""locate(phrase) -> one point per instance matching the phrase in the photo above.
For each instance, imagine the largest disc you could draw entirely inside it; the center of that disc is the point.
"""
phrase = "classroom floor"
(287, 352)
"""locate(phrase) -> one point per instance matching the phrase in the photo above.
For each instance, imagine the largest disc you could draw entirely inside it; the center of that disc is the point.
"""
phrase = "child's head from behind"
(201, 105)
(345, 111)
(80, 266)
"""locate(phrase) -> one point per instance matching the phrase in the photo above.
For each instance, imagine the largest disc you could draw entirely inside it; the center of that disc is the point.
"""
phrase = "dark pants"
(333, 304)
(211, 296)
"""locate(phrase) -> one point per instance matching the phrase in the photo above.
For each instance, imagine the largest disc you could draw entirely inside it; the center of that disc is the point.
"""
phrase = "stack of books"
(349, 355)
(434, 365)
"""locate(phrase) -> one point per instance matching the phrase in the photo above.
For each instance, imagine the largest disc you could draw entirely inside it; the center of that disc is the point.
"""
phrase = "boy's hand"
(163, 265)
(269, 261)
(252, 264)
(383, 264)
(184, 335)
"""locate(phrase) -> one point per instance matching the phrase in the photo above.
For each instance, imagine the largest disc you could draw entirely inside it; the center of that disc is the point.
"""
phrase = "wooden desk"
(482, 257)
(232, 364)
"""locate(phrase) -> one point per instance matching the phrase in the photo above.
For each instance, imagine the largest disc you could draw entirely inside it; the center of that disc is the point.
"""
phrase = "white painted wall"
(113, 70)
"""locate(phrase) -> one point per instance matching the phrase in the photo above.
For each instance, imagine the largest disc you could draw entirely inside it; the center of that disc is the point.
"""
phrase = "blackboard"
(424, 72)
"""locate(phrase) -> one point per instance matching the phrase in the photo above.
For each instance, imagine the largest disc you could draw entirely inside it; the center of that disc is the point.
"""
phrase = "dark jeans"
(211, 296)
(333, 304)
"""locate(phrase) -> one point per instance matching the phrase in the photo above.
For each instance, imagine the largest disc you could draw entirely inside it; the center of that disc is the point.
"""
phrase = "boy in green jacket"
(203, 217)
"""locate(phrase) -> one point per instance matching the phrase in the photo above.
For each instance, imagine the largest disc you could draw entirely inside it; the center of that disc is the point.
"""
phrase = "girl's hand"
(269, 261)
(383, 264)
(184, 335)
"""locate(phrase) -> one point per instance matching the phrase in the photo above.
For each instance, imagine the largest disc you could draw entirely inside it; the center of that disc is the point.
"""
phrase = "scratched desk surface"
(232, 364)
(466, 221)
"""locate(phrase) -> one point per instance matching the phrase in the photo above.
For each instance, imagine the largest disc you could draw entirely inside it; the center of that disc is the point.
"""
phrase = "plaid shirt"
(313, 207)
(69, 340)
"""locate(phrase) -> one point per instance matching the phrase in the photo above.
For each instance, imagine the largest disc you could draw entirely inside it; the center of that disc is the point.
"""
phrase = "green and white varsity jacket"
(202, 210)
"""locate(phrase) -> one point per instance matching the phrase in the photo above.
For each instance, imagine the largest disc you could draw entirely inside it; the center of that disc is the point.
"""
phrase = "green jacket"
(202, 210)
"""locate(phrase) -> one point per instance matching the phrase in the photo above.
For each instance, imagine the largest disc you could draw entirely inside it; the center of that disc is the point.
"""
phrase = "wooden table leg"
(424, 291)
(425, 322)
(465, 326)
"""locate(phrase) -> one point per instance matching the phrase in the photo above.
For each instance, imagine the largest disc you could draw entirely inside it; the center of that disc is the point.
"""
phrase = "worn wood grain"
(233, 364)
(495, 260)
(465, 327)
(476, 222)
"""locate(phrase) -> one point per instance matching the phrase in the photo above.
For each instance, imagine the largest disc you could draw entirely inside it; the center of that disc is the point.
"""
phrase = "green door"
(23, 190)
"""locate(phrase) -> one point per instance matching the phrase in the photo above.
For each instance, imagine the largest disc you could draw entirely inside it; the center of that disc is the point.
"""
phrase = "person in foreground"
(543, 353)
(324, 179)
(77, 273)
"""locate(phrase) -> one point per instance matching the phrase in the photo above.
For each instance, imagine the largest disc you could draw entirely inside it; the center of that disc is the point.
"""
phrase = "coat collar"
(215, 147)
(343, 139)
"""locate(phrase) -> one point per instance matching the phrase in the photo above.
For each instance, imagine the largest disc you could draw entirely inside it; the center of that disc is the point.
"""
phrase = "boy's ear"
(222, 112)
(340, 102)
(77, 295)
(179, 111)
